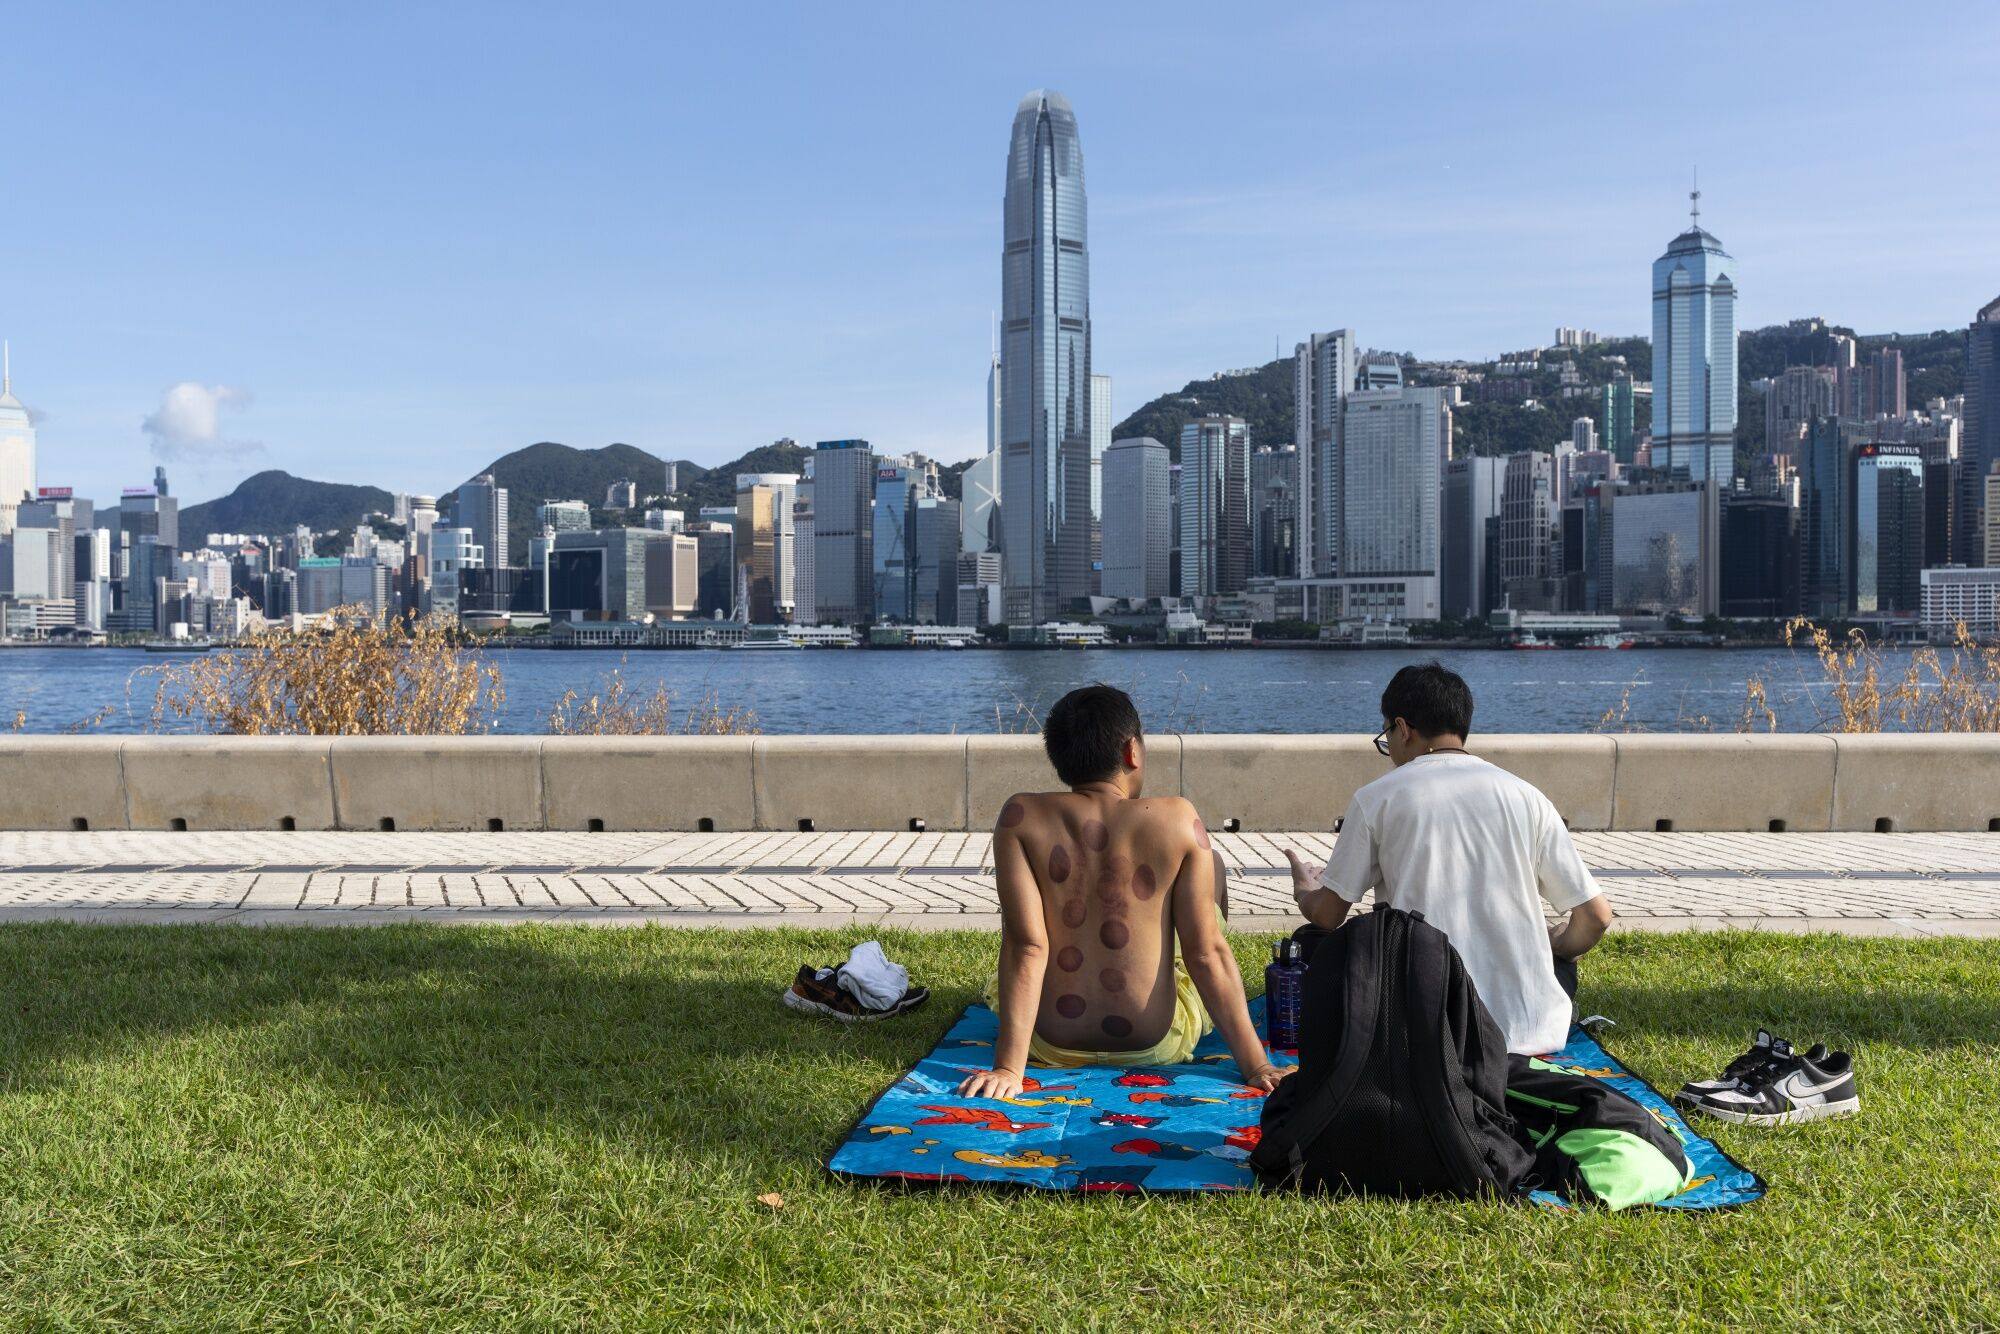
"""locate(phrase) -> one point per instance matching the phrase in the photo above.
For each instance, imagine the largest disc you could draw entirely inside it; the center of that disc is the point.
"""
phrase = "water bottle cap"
(1286, 950)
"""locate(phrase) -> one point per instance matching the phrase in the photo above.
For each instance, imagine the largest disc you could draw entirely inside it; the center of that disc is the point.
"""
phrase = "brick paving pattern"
(1875, 884)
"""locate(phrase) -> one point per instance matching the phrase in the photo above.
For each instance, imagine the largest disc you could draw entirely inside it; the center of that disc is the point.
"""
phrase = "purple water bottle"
(1284, 988)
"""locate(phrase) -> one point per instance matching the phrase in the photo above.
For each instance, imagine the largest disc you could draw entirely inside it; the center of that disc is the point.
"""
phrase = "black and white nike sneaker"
(1786, 1092)
(1765, 1049)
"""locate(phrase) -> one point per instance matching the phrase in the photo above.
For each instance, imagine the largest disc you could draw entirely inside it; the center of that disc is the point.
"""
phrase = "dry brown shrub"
(1758, 715)
(353, 674)
(615, 710)
(1956, 690)
(1618, 718)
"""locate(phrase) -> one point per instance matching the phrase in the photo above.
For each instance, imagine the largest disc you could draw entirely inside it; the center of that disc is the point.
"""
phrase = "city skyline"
(459, 316)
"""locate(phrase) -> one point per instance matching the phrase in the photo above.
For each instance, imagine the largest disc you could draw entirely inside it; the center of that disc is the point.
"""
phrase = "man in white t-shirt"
(1475, 850)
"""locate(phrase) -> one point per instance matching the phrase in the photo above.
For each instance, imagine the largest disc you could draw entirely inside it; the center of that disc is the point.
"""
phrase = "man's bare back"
(1105, 867)
(1098, 886)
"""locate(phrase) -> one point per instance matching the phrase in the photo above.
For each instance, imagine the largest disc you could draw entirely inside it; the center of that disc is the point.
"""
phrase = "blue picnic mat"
(1183, 1127)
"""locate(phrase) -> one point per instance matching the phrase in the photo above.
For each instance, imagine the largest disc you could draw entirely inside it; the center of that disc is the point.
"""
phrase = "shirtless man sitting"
(1098, 881)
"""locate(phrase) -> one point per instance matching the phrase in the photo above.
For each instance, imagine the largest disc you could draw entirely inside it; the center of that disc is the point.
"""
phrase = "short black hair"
(1429, 696)
(1085, 733)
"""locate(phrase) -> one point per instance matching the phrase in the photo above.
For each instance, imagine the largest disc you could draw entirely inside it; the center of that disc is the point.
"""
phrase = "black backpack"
(1402, 1081)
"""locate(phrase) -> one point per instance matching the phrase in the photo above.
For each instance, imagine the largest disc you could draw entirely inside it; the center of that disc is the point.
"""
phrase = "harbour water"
(913, 691)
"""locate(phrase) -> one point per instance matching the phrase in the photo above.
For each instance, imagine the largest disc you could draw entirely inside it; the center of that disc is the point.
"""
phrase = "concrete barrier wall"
(1639, 782)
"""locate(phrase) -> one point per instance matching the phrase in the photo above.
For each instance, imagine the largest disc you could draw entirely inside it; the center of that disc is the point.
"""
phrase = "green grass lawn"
(531, 1127)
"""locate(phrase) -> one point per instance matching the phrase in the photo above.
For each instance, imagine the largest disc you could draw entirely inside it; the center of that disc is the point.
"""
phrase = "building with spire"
(17, 446)
(1694, 355)
(1045, 411)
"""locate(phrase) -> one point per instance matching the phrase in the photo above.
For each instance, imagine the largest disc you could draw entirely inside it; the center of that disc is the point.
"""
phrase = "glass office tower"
(1045, 413)
(1694, 357)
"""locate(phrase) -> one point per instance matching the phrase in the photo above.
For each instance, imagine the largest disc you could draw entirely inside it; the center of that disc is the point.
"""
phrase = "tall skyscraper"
(1825, 489)
(1394, 443)
(1215, 506)
(760, 550)
(1274, 511)
(1760, 556)
(1666, 549)
(993, 386)
(1100, 439)
(1886, 571)
(1620, 436)
(1138, 519)
(1792, 399)
(843, 532)
(1887, 385)
(1583, 434)
(482, 507)
(1530, 515)
(784, 540)
(1470, 511)
(1694, 355)
(934, 528)
(1322, 375)
(715, 570)
(900, 483)
(1979, 444)
(979, 515)
(17, 446)
(1992, 489)
(1045, 365)
(805, 574)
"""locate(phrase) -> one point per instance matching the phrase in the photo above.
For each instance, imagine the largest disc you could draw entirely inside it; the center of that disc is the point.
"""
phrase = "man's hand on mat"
(991, 1084)
(1269, 1077)
(1305, 876)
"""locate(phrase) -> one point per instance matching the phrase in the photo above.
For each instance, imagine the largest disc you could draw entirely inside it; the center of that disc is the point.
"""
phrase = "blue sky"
(386, 244)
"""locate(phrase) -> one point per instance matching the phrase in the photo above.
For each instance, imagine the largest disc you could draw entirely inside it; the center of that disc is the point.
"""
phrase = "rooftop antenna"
(1694, 199)
(6, 368)
(993, 338)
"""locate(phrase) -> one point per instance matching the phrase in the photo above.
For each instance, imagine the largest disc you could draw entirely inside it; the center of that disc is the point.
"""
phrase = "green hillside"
(548, 471)
(1263, 398)
(275, 502)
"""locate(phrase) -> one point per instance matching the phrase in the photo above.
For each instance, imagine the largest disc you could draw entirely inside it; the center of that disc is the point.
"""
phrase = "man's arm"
(1585, 926)
(1322, 907)
(1024, 959)
(1568, 887)
(1326, 894)
(1213, 967)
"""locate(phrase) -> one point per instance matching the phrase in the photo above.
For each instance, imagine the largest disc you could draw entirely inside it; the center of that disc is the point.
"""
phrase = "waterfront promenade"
(1911, 885)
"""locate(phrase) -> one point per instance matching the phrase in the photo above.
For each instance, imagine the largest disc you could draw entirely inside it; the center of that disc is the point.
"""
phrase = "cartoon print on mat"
(1024, 1158)
(985, 1118)
(1111, 1129)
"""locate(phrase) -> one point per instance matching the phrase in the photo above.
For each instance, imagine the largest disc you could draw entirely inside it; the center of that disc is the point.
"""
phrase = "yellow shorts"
(1190, 1025)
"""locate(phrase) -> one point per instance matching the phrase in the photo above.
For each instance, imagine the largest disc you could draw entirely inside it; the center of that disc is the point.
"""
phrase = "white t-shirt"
(1470, 846)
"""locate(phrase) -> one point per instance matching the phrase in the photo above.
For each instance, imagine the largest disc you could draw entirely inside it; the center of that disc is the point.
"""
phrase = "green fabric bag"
(1590, 1141)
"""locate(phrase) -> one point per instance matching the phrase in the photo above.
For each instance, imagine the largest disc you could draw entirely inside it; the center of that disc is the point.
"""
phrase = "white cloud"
(188, 422)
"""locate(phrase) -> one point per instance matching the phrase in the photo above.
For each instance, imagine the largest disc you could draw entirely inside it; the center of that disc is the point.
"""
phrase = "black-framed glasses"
(1382, 742)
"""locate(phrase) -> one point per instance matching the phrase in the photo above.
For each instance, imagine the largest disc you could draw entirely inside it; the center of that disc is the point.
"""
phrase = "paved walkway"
(1858, 884)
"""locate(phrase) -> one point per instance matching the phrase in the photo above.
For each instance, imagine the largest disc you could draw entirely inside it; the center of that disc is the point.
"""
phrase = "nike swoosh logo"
(1798, 1086)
